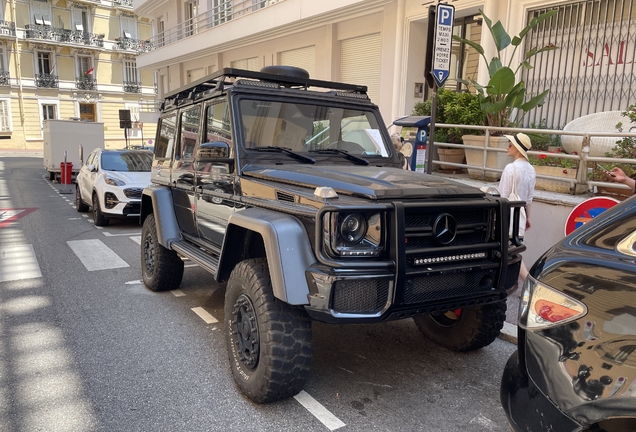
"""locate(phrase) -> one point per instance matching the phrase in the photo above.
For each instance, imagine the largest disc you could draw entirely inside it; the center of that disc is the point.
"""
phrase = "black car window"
(165, 138)
(189, 133)
(126, 161)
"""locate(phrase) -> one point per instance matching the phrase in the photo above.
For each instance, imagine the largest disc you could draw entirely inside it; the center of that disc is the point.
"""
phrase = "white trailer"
(67, 136)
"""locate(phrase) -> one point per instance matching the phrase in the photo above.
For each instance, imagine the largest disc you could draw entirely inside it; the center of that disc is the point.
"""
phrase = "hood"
(370, 182)
(130, 178)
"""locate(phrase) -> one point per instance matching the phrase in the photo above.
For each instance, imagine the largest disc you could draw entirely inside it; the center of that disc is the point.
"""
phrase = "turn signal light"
(553, 312)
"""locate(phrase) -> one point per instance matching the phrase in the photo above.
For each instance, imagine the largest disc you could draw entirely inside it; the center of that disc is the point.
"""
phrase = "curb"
(509, 333)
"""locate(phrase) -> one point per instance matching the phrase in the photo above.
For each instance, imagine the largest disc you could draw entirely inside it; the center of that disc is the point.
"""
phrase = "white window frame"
(42, 102)
(134, 132)
(126, 65)
(78, 62)
(6, 125)
(38, 15)
(126, 31)
(79, 14)
(51, 62)
(3, 60)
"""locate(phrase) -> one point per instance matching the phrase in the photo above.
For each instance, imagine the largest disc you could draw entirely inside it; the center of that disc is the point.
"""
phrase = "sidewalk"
(20, 153)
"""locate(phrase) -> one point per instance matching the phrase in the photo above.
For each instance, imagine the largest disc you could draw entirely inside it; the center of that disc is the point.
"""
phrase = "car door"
(84, 178)
(215, 179)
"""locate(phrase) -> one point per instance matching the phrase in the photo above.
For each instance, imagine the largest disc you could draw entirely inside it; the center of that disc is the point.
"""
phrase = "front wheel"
(268, 341)
(161, 268)
(464, 329)
(98, 217)
(79, 204)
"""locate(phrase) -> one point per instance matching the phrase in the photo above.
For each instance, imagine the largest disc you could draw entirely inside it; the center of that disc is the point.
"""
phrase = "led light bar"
(257, 83)
(360, 253)
(450, 258)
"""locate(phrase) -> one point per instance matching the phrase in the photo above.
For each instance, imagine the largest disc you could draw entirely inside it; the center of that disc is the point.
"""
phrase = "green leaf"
(502, 82)
(501, 38)
(475, 45)
(516, 41)
(536, 21)
(526, 65)
(535, 51)
(494, 66)
(496, 107)
(516, 95)
(535, 101)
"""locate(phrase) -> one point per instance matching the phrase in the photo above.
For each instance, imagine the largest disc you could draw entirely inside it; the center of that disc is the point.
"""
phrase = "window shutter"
(360, 63)
(302, 57)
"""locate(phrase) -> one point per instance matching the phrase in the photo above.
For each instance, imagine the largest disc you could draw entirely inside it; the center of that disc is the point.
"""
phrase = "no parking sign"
(586, 211)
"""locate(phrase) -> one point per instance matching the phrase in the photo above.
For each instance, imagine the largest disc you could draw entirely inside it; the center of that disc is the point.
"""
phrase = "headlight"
(355, 234)
(542, 307)
(113, 181)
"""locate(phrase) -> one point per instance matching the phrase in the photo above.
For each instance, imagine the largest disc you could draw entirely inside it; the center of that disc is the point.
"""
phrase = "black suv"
(289, 189)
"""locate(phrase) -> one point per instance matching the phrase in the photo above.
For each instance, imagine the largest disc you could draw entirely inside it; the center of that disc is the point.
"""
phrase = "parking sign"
(443, 43)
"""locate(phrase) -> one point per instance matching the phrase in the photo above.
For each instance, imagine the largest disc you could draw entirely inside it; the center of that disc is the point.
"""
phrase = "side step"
(205, 260)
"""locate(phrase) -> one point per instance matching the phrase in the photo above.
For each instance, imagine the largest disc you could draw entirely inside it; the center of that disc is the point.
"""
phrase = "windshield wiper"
(285, 150)
(356, 159)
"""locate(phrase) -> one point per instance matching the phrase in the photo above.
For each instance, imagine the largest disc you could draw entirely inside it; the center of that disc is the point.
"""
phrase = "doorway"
(87, 112)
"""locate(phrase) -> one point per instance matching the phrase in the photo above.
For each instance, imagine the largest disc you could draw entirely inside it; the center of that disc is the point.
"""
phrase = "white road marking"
(320, 412)
(484, 422)
(135, 282)
(95, 255)
(136, 239)
(74, 219)
(18, 262)
(205, 315)
(178, 293)
(107, 234)
(85, 215)
(190, 265)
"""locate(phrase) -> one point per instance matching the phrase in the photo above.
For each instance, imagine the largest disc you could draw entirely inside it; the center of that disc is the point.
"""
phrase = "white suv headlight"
(113, 181)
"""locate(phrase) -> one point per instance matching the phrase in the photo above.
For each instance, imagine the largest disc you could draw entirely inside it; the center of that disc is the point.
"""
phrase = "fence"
(585, 163)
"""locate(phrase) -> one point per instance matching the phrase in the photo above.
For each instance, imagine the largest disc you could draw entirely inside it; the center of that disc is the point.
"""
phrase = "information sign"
(443, 43)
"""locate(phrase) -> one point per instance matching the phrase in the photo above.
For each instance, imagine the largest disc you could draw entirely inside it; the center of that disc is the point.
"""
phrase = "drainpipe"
(18, 67)
(397, 64)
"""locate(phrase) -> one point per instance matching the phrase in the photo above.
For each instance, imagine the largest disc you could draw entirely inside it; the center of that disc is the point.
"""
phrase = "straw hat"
(522, 142)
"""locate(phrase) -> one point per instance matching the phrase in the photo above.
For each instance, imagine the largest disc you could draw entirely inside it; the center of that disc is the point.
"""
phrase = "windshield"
(307, 127)
(127, 161)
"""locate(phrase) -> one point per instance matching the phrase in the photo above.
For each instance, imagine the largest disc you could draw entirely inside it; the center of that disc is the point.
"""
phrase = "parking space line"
(95, 255)
(319, 411)
(136, 239)
(205, 315)
(178, 293)
(107, 234)
(18, 262)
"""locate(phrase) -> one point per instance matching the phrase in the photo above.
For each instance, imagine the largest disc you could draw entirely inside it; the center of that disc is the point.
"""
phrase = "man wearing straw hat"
(517, 184)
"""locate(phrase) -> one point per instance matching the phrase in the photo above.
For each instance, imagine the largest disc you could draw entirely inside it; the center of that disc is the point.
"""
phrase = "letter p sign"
(445, 16)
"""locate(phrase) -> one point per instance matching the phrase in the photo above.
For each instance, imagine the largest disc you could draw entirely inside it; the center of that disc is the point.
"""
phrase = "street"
(85, 346)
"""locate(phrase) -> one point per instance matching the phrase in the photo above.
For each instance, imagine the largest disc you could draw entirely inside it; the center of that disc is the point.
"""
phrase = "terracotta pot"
(493, 159)
(453, 155)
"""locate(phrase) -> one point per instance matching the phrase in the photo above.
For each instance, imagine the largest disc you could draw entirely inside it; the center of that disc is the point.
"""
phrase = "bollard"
(66, 174)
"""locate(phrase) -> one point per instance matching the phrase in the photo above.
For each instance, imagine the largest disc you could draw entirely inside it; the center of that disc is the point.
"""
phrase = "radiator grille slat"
(360, 296)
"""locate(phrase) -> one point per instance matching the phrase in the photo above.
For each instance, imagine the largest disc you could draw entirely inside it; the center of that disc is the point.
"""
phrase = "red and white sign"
(586, 211)
(8, 216)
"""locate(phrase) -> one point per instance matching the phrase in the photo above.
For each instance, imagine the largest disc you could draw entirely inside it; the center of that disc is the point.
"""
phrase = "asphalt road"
(84, 349)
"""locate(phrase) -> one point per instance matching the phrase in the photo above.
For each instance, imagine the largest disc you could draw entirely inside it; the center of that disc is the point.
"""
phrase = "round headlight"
(353, 228)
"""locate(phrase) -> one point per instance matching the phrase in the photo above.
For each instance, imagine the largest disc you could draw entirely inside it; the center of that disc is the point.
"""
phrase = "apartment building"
(381, 44)
(63, 59)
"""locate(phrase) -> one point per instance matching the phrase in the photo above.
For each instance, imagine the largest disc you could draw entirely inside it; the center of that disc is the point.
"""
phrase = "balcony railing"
(4, 78)
(129, 44)
(47, 81)
(125, 3)
(226, 11)
(37, 31)
(132, 87)
(7, 28)
(86, 83)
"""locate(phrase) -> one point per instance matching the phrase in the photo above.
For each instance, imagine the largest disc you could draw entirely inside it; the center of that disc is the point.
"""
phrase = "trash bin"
(418, 157)
(66, 172)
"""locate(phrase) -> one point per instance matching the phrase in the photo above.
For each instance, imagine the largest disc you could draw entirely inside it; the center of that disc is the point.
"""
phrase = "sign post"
(442, 46)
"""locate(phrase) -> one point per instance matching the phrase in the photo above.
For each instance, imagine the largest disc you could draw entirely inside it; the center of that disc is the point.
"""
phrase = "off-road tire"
(279, 336)
(98, 217)
(476, 327)
(161, 268)
(79, 204)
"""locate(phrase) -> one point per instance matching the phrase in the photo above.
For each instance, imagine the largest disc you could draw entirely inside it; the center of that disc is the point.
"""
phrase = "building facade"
(72, 59)
(381, 44)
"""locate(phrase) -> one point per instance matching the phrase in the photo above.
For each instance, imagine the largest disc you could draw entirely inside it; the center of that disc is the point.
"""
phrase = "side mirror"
(92, 168)
(217, 152)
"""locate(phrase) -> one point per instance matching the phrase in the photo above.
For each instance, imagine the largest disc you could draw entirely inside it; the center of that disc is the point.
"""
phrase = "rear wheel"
(79, 204)
(464, 329)
(162, 268)
(268, 341)
(98, 217)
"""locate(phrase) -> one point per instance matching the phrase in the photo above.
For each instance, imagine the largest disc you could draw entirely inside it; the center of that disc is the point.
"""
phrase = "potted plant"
(459, 108)
(503, 100)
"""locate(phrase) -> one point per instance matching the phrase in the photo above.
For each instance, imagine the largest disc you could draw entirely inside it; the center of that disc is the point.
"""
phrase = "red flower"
(543, 156)
(565, 171)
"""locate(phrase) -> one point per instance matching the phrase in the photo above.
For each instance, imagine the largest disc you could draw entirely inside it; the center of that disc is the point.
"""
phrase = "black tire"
(51, 175)
(474, 328)
(279, 336)
(162, 269)
(98, 217)
(79, 204)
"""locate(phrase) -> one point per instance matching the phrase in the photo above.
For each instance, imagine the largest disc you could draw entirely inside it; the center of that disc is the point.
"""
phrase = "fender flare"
(158, 200)
(288, 249)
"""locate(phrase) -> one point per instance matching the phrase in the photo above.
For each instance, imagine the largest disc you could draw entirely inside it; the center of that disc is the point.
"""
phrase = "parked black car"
(575, 367)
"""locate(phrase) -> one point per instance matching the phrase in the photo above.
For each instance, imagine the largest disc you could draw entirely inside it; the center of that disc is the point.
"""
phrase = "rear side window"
(189, 134)
(165, 139)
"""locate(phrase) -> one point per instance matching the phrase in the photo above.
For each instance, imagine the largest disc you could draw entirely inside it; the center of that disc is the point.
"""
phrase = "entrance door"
(87, 112)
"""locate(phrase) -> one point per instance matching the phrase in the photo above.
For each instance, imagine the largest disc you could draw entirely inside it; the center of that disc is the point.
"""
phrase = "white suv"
(111, 181)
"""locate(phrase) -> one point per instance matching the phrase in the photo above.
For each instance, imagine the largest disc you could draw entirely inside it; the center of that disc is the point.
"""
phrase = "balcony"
(132, 87)
(74, 37)
(4, 78)
(130, 44)
(86, 83)
(123, 3)
(7, 29)
(47, 81)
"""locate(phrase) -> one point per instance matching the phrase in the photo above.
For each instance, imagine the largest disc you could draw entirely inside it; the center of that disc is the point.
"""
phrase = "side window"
(165, 138)
(218, 127)
(90, 159)
(189, 133)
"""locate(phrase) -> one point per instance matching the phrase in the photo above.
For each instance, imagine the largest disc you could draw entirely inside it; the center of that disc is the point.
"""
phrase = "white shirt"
(525, 180)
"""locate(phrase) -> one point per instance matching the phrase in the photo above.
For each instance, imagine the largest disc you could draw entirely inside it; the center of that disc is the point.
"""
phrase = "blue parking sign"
(445, 16)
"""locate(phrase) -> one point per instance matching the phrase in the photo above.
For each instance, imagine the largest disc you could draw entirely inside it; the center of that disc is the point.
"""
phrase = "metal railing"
(53, 34)
(4, 78)
(7, 28)
(132, 87)
(124, 3)
(149, 106)
(226, 11)
(136, 45)
(46, 81)
(86, 83)
(584, 162)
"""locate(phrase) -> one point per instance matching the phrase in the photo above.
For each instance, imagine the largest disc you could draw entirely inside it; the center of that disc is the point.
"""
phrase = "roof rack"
(218, 79)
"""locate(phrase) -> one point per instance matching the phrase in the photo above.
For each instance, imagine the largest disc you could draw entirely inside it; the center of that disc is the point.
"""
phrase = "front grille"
(472, 226)
(447, 285)
(512, 275)
(134, 193)
(360, 296)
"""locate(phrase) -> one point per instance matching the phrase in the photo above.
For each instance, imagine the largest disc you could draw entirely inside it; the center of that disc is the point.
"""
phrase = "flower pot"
(453, 155)
(493, 159)
(554, 185)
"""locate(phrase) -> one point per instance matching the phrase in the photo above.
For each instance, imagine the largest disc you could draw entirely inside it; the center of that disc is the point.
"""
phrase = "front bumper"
(527, 408)
(116, 202)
